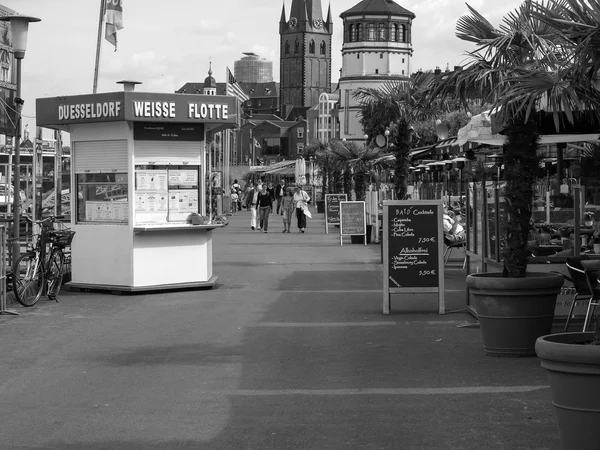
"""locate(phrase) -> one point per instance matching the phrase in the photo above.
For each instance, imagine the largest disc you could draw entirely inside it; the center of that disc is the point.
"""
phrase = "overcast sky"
(165, 44)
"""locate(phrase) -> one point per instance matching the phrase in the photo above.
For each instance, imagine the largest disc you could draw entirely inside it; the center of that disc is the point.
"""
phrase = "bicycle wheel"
(54, 273)
(28, 279)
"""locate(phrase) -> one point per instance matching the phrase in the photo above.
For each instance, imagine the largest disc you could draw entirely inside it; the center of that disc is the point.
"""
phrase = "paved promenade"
(289, 351)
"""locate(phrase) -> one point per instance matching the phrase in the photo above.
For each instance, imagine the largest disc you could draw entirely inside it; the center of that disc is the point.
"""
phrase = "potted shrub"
(588, 218)
(573, 364)
(529, 63)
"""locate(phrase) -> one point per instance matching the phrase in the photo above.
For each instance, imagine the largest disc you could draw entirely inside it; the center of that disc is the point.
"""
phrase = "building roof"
(377, 7)
(198, 88)
(268, 89)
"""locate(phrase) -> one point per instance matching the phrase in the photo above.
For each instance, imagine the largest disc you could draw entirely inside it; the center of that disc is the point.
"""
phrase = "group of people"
(262, 199)
(454, 231)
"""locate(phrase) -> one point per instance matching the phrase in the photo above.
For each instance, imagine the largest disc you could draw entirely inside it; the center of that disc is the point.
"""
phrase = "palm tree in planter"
(525, 69)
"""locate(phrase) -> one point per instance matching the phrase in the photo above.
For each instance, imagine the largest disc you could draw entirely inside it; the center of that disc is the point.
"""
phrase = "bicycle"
(33, 272)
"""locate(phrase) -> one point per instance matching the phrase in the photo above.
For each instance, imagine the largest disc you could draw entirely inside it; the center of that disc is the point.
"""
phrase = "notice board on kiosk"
(413, 249)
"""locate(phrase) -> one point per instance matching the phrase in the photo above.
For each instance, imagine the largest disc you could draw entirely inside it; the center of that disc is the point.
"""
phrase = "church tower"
(305, 55)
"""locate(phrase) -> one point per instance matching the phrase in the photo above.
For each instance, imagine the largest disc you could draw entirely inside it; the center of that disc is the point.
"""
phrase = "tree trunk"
(520, 168)
(401, 152)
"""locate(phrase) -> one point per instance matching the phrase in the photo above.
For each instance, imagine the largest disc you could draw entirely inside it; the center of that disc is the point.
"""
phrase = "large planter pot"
(574, 374)
(514, 312)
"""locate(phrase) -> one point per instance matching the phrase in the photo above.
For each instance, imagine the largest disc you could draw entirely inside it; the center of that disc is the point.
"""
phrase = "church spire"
(329, 19)
(283, 19)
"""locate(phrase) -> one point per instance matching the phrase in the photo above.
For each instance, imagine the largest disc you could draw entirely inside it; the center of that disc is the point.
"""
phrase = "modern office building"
(253, 69)
(377, 47)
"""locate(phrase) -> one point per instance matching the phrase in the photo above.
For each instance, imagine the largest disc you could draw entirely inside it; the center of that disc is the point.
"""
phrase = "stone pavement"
(289, 351)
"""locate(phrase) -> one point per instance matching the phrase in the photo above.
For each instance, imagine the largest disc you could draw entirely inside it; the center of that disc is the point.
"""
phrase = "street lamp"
(19, 26)
(448, 165)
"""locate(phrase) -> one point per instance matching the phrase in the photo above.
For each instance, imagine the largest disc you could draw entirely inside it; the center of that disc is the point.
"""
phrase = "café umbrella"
(300, 171)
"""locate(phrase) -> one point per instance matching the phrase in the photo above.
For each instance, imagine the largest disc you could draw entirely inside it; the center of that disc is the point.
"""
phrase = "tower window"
(323, 48)
(311, 47)
(376, 71)
(359, 32)
(381, 34)
(402, 37)
(403, 72)
(287, 47)
(296, 46)
(358, 56)
(381, 56)
(350, 33)
(394, 37)
(402, 59)
(371, 32)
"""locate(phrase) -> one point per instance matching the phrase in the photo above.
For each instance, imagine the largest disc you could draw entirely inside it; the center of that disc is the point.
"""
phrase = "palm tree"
(402, 103)
(526, 70)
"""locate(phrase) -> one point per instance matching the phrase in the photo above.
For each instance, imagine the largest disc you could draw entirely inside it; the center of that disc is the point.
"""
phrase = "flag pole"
(98, 45)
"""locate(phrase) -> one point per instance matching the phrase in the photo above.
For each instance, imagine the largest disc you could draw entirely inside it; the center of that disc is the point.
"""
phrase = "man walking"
(251, 202)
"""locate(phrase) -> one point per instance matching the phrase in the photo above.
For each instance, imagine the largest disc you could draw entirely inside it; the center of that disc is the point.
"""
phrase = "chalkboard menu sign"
(352, 218)
(413, 243)
(332, 209)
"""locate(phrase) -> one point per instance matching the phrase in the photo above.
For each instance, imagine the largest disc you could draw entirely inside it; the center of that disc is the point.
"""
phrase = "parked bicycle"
(35, 274)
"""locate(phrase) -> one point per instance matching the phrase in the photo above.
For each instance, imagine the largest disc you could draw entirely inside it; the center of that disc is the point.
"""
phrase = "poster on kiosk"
(138, 171)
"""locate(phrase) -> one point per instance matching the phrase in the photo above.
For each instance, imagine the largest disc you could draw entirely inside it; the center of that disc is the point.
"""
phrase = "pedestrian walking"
(280, 191)
(234, 202)
(251, 202)
(265, 206)
(301, 199)
(287, 208)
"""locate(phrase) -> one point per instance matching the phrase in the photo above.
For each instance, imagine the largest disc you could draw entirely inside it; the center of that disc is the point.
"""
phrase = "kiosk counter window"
(102, 198)
(166, 194)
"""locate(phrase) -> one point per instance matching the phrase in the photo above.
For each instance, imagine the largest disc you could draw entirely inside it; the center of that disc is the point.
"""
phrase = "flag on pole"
(256, 144)
(113, 17)
(234, 88)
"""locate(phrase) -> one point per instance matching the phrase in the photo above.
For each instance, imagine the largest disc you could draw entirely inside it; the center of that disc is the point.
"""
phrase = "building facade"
(251, 68)
(377, 47)
(305, 57)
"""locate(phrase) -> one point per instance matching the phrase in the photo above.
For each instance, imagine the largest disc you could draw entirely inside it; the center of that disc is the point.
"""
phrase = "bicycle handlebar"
(47, 219)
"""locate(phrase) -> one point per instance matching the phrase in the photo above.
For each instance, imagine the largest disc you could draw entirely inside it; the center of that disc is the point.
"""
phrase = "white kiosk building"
(138, 171)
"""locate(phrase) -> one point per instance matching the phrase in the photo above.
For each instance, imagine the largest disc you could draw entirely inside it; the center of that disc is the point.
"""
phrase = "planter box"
(574, 375)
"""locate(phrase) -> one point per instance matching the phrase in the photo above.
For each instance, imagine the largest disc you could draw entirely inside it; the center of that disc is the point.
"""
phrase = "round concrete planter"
(514, 312)
(574, 374)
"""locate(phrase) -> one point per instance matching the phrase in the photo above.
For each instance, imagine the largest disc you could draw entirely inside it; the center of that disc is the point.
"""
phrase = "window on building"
(300, 148)
(382, 34)
(300, 133)
(350, 33)
(323, 48)
(358, 56)
(381, 56)
(394, 30)
(402, 37)
(296, 46)
(287, 47)
(359, 32)
(403, 72)
(371, 34)
(376, 71)
(311, 47)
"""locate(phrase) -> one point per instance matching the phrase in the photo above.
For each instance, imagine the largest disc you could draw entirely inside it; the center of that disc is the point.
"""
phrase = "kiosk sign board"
(332, 209)
(352, 219)
(413, 249)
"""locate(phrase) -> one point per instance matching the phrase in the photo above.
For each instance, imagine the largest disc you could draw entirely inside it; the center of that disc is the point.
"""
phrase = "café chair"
(592, 275)
(579, 280)
(451, 245)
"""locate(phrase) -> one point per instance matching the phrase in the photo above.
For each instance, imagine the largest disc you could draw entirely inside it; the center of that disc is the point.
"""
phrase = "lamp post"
(19, 26)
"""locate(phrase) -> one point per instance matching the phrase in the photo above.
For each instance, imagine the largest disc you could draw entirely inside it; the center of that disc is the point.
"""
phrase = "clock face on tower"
(317, 23)
(293, 22)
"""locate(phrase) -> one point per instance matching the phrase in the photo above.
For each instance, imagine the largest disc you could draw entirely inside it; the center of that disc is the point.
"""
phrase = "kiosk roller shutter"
(167, 152)
(100, 156)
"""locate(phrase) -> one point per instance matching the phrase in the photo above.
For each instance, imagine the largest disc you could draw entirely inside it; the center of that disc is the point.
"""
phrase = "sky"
(166, 43)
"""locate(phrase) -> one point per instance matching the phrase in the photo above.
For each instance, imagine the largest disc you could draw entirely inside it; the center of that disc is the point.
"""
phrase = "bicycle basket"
(60, 238)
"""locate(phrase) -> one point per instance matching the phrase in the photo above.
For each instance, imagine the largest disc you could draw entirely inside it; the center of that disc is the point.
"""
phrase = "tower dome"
(210, 85)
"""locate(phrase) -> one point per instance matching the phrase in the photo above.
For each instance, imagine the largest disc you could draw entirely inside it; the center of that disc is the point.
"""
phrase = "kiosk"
(137, 176)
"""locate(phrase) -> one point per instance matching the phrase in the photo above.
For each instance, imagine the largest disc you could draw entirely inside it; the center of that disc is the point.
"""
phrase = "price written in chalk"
(424, 273)
(426, 240)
